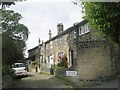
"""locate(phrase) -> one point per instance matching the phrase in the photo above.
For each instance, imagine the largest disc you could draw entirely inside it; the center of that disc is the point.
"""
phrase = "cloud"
(50, 1)
(42, 16)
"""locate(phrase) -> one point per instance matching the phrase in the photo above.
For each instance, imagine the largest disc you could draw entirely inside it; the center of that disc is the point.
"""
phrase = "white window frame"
(84, 29)
(60, 53)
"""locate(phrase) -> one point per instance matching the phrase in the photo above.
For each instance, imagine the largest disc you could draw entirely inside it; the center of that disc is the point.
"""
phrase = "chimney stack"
(59, 28)
(50, 34)
(39, 41)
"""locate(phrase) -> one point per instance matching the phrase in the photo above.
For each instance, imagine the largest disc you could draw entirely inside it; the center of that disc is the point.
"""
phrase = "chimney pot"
(50, 34)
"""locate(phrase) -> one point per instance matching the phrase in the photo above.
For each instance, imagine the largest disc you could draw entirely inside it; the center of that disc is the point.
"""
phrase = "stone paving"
(39, 81)
(111, 84)
(35, 80)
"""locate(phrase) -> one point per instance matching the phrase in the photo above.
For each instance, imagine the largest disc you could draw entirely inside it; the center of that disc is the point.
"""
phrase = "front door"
(71, 58)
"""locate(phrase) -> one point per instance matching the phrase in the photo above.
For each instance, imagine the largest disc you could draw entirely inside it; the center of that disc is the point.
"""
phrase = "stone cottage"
(84, 50)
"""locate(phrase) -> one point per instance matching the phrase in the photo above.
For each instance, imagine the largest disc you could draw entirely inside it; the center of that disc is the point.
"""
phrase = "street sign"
(71, 73)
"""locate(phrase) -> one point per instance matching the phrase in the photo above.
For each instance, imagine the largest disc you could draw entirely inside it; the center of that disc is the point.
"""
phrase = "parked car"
(20, 70)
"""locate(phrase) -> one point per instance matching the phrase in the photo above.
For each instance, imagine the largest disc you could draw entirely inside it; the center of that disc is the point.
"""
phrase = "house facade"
(82, 48)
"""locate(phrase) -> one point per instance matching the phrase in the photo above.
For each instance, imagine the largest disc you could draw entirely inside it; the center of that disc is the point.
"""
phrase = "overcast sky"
(40, 16)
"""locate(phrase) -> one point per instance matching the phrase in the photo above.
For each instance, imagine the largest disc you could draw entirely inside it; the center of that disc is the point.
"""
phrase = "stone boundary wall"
(7, 81)
(94, 60)
(61, 72)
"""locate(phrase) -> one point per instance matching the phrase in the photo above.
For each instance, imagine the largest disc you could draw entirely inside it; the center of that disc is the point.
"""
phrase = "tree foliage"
(104, 17)
(14, 35)
(10, 52)
(6, 3)
(11, 25)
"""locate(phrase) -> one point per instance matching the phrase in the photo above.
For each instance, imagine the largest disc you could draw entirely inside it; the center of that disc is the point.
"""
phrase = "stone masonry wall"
(94, 60)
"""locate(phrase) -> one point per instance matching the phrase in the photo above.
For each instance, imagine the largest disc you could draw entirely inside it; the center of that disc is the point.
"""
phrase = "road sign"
(71, 73)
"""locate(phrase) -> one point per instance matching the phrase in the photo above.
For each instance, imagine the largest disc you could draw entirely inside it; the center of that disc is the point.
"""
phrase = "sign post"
(71, 73)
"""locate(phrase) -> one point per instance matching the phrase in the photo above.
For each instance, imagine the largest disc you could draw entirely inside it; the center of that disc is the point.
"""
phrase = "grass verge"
(67, 82)
(77, 85)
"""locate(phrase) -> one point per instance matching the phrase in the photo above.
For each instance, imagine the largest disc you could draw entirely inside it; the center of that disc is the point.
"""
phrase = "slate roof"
(67, 31)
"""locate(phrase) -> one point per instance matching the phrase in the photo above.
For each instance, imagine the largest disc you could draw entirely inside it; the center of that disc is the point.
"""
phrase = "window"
(81, 30)
(71, 57)
(60, 54)
(88, 28)
(84, 29)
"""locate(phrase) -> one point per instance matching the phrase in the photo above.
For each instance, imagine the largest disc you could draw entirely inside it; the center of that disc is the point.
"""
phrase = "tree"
(11, 25)
(104, 17)
(10, 51)
(14, 36)
(6, 3)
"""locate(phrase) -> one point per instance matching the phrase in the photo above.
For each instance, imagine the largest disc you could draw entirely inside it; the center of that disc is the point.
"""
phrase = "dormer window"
(84, 29)
(88, 28)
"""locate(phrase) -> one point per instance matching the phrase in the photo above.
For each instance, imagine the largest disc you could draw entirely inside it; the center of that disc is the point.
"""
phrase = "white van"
(20, 69)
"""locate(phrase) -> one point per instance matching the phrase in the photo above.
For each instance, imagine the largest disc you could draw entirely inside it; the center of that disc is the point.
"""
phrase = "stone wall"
(115, 57)
(94, 60)
(92, 56)
(6, 81)
(61, 72)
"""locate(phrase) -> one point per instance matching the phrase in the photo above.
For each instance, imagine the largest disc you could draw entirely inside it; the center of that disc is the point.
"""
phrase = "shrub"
(34, 63)
(63, 62)
(7, 70)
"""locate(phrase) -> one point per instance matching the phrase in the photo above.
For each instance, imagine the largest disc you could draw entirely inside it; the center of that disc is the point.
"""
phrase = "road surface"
(39, 81)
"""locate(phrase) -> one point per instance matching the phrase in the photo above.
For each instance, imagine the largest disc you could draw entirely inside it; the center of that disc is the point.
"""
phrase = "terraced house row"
(77, 48)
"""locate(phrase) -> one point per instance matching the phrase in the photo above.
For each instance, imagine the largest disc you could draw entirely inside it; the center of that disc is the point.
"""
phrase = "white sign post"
(71, 73)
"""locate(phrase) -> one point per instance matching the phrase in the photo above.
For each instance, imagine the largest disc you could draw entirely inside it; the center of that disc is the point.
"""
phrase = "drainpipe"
(39, 50)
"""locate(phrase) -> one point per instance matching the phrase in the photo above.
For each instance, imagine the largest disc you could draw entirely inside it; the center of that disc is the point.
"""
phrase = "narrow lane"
(39, 81)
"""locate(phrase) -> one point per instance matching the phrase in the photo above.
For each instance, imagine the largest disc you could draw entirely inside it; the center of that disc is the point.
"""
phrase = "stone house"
(33, 61)
(86, 52)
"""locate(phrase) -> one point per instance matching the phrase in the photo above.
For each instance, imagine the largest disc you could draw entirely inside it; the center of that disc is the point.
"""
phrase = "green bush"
(63, 62)
(0, 70)
(34, 63)
(60, 64)
(7, 70)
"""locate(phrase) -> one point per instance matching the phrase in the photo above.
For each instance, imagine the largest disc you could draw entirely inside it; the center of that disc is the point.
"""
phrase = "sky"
(40, 16)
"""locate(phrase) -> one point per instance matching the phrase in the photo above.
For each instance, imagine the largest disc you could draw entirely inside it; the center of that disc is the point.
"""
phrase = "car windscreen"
(19, 65)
